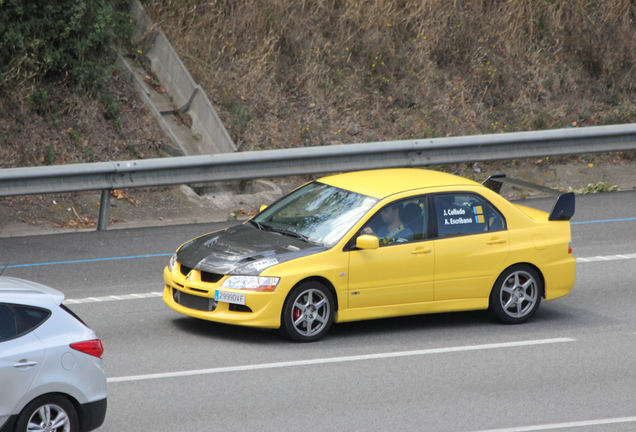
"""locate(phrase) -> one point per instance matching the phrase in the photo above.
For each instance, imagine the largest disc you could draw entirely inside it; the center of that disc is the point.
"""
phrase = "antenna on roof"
(3, 269)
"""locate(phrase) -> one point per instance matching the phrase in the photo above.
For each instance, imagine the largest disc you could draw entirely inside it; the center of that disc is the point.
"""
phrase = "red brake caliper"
(296, 314)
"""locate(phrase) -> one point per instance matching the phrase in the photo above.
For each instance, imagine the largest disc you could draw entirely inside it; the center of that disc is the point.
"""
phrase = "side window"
(496, 221)
(462, 214)
(8, 324)
(16, 320)
(399, 222)
(31, 317)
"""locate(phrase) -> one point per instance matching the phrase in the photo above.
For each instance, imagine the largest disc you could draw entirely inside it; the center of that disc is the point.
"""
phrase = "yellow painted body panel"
(427, 276)
(402, 273)
(549, 255)
(382, 183)
(467, 266)
(361, 314)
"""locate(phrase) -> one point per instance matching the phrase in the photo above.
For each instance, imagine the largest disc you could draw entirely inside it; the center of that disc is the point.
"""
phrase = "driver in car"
(393, 230)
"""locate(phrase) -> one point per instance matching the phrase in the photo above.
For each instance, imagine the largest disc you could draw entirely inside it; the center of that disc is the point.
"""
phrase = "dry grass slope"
(292, 73)
(303, 73)
(49, 124)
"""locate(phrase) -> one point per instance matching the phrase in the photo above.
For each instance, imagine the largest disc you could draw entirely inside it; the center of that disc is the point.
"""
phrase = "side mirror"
(367, 241)
(263, 207)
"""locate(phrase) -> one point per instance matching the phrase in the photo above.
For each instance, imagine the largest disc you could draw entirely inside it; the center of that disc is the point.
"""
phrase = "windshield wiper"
(257, 225)
(290, 233)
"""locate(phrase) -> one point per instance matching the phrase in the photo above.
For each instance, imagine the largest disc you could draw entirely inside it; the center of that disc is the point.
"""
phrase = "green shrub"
(596, 188)
(49, 155)
(112, 110)
(59, 37)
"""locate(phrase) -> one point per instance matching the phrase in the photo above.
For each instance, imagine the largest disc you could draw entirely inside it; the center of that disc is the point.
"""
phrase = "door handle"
(496, 241)
(420, 251)
(25, 364)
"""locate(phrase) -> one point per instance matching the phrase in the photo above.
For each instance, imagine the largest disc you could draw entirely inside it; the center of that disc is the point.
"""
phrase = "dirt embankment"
(296, 74)
(291, 74)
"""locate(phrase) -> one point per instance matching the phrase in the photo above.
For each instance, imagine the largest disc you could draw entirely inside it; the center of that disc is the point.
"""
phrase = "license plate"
(229, 297)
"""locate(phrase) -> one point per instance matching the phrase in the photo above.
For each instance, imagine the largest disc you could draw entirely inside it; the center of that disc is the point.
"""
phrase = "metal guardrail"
(106, 176)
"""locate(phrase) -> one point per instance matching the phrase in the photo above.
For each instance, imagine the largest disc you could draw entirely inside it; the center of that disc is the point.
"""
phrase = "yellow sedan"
(376, 244)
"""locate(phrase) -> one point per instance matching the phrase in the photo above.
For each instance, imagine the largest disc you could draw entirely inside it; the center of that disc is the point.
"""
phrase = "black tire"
(308, 312)
(48, 410)
(516, 296)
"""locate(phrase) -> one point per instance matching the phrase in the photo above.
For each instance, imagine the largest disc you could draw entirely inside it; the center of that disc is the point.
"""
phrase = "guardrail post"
(104, 209)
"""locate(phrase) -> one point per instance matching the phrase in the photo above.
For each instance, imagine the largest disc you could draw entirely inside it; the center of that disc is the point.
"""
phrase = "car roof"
(14, 290)
(385, 182)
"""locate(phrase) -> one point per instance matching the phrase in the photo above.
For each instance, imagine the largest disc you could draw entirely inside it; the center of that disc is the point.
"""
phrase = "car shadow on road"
(414, 323)
(387, 327)
(429, 325)
(214, 330)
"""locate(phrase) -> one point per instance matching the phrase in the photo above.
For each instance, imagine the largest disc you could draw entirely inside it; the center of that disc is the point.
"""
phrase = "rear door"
(21, 356)
(471, 246)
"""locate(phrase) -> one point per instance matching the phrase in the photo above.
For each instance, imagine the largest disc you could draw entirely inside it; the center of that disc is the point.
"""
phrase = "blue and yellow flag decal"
(479, 214)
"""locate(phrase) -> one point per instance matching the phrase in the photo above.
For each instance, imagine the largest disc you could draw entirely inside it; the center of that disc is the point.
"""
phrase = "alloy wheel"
(519, 293)
(311, 312)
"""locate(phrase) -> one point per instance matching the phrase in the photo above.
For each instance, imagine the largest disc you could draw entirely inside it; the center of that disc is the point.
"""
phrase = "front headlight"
(251, 283)
(173, 259)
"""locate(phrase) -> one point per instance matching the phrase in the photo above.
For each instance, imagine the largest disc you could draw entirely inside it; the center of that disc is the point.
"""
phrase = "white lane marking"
(564, 425)
(337, 360)
(114, 298)
(606, 258)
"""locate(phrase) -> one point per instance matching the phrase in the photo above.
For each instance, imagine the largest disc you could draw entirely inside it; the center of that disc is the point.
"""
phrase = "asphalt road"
(571, 368)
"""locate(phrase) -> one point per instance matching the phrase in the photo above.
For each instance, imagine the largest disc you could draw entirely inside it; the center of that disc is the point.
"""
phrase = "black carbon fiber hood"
(243, 250)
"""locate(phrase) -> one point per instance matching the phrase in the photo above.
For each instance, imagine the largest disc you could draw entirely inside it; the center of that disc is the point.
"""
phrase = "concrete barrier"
(207, 134)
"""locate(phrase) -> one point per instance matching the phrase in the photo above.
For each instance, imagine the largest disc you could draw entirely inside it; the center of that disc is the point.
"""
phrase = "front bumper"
(262, 309)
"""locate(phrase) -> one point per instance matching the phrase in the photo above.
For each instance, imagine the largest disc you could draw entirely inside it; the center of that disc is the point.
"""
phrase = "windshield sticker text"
(458, 221)
(478, 216)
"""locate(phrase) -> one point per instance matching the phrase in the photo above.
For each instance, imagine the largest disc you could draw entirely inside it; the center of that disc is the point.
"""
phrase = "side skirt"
(411, 309)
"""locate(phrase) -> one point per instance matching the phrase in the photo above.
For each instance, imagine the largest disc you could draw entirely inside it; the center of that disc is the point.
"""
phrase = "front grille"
(205, 276)
(210, 277)
(193, 302)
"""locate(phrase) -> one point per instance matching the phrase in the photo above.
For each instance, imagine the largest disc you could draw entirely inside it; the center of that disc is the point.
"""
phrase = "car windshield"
(316, 212)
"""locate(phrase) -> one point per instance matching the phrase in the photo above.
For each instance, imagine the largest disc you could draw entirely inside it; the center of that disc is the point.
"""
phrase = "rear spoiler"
(563, 208)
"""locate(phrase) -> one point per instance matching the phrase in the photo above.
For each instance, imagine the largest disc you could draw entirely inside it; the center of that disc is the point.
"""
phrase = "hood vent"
(184, 269)
(211, 242)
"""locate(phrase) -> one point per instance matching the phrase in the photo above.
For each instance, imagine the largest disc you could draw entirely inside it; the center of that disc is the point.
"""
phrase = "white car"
(51, 376)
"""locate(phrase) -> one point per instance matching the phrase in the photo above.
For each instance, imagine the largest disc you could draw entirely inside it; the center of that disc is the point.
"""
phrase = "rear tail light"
(570, 247)
(92, 347)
